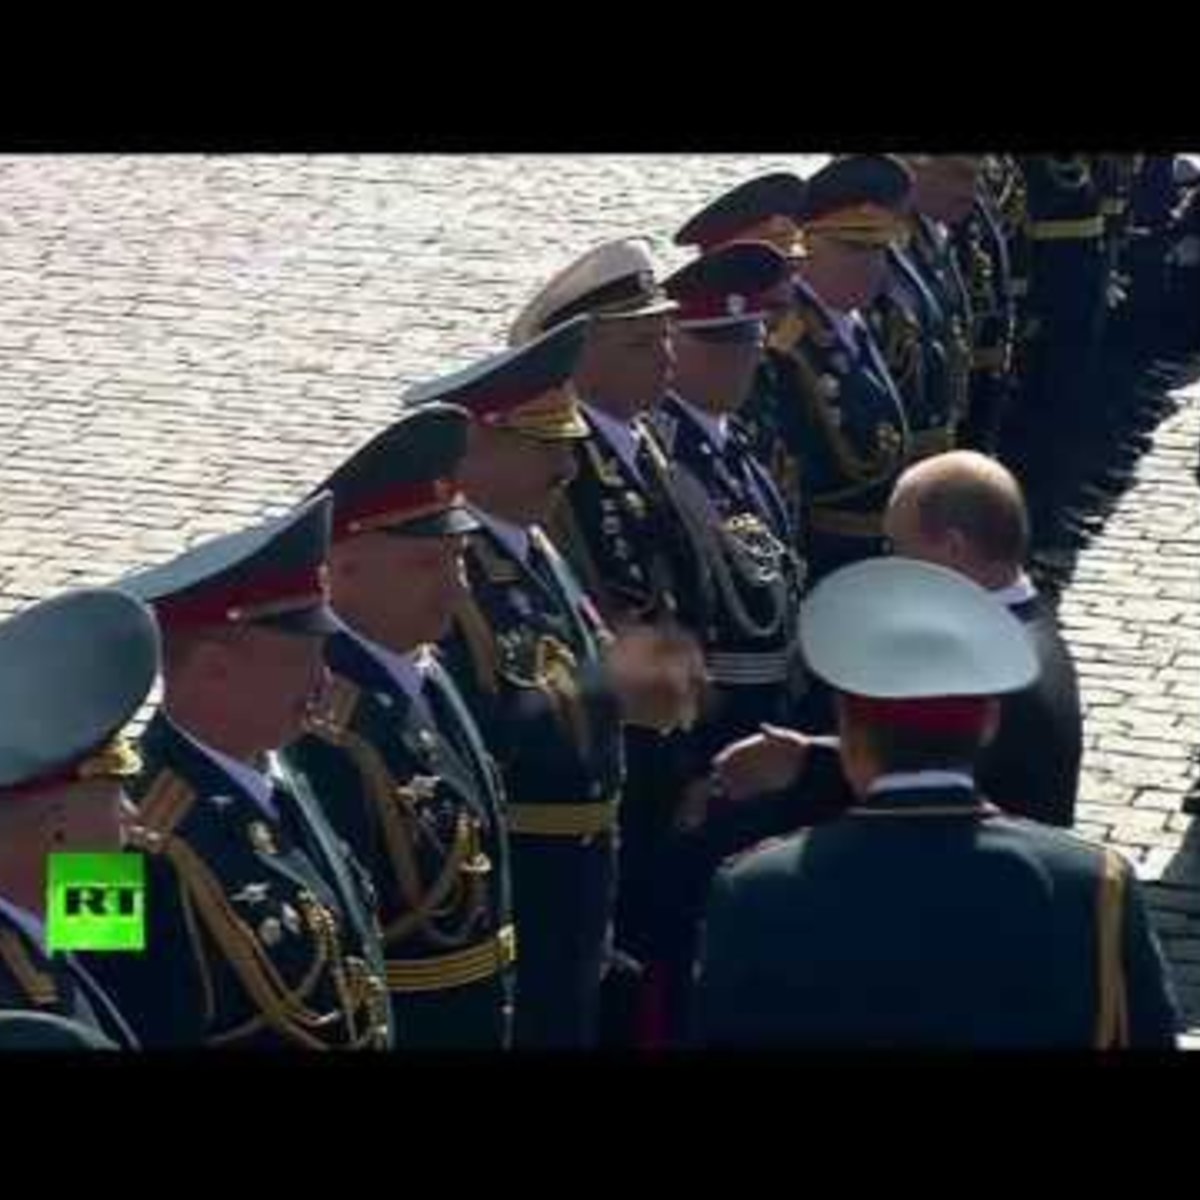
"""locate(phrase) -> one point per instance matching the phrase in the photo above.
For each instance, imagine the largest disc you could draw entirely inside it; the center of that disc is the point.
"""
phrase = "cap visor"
(458, 519)
(318, 621)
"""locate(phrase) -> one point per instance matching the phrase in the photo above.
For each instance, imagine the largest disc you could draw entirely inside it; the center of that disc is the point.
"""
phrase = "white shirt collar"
(910, 781)
(514, 537)
(29, 923)
(715, 425)
(407, 670)
(622, 436)
(253, 782)
(1016, 593)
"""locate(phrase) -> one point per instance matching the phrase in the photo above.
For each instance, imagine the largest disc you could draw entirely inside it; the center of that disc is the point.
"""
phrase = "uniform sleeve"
(723, 998)
(1152, 1007)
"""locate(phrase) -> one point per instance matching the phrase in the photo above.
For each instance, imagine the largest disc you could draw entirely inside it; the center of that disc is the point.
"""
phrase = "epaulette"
(496, 566)
(162, 808)
(788, 332)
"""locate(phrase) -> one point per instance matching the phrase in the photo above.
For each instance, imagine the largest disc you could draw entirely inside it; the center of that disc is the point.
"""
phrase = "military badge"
(270, 932)
(262, 838)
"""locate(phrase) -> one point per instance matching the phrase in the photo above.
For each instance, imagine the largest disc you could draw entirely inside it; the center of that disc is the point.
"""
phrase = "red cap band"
(264, 595)
(394, 505)
(934, 714)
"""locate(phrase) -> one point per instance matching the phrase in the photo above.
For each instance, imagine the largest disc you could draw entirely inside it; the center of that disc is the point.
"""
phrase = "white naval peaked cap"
(615, 281)
(897, 629)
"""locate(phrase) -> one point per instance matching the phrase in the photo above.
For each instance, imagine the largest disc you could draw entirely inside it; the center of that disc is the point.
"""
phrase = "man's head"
(76, 670)
(724, 299)
(853, 209)
(399, 527)
(244, 689)
(525, 420)
(918, 656)
(944, 185)
(626, 361)
(964, 511)
(244, 618)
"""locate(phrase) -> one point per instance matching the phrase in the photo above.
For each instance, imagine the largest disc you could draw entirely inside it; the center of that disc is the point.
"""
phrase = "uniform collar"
(714, 425)
(1020, 592)
(513, 537)
(622, 436)
(254, 783)
(406, 670)
(921, 781)
(31, 925)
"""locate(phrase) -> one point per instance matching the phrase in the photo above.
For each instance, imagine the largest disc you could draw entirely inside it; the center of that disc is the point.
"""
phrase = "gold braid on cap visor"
(550, 416)
(860, 225)
(780, 232)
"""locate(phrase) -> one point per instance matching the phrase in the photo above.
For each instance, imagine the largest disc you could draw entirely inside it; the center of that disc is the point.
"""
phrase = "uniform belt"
(454, 970)
(845, 524)
(924, 442)
(562, 820)
(761, 666)
(989, 358)
(1065, 231)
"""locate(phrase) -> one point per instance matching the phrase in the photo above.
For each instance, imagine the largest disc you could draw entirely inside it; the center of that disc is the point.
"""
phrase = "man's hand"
(659, 676)
(766, 762)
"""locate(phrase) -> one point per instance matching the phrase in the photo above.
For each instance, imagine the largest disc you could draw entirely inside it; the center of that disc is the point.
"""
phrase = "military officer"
(762, 209)
(1057, 423)
(968, 928)
(832, 416)
(739, 523)
(966, 512)
(545, 678)
(261, 929)
(73, 671)
(986, 267)
(633, 540)
(621, 541)
(945, 198)
(393, 755)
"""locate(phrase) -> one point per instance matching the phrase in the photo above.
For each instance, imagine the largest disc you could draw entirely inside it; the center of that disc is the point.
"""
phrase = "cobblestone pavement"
(189, 343)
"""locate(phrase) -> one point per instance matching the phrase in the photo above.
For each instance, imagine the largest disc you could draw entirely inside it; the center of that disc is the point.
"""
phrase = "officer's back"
(927, 931)
(924, 917)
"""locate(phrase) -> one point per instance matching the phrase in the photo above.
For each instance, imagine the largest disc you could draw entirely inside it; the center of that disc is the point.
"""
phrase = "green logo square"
(96, 902)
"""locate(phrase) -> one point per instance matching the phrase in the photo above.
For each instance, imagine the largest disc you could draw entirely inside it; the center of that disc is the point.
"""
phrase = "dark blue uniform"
(526, 655)
(925, 919)
(260, 932)
(411, 789)
(923, 346)
(1057, 417)
(827, 418)
(986, 269)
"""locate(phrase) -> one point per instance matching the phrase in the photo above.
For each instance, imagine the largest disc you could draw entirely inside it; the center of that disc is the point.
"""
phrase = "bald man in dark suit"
(965, 511)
